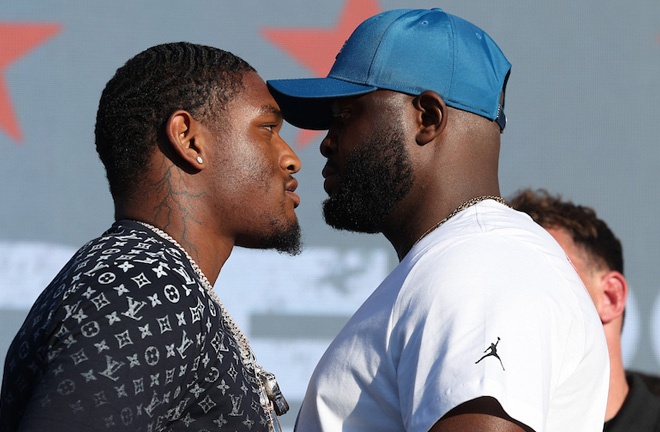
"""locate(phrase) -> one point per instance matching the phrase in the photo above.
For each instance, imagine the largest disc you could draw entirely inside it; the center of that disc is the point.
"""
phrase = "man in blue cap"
(484, 324)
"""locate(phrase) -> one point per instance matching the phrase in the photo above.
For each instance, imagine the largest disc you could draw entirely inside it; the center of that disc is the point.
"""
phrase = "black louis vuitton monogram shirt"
(126, 338)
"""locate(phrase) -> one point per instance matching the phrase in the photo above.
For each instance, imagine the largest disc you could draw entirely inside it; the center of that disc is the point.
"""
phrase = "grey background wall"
(583, 104)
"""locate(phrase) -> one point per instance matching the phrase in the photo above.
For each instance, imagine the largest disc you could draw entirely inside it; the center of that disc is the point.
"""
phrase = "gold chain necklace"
(460, 208)
(272, 398)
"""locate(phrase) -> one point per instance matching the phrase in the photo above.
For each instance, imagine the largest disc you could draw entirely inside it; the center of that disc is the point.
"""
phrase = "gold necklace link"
(460, 208)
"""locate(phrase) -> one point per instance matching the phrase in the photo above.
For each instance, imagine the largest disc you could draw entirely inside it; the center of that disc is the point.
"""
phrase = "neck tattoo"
(460, 208)
(269, 392)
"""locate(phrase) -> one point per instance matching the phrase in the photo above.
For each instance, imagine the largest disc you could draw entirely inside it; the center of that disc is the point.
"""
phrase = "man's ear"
(614, 296)
(184, 134)
(431, 116)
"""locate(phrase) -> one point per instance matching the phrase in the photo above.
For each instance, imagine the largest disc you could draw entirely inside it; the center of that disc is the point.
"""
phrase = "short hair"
(582, 224)
(139, 99)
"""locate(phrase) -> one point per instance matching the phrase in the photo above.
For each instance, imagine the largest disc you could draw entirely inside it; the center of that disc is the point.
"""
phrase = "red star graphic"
(316, 48)
(16, 40)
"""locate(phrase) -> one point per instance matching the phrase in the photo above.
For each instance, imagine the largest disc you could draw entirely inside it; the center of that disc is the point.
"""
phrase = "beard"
(376, 177)
(288, 241)
(273, 230)
(284, 238)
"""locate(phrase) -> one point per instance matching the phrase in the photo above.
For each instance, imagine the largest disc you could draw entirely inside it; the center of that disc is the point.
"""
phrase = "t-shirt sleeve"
(488, 322)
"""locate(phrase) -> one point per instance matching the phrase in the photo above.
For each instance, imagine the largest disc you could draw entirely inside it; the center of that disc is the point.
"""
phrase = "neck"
(618, 383)
(172, 200)
(457, 164)
(431, 219)
(207, 250)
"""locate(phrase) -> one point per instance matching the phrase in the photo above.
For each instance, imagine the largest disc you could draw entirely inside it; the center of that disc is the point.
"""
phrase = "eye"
(272, 127)
(340, 114)
(341, 117)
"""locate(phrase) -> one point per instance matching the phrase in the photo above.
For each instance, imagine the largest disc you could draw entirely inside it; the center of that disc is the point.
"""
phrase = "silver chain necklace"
(460, 208)
(271, 397)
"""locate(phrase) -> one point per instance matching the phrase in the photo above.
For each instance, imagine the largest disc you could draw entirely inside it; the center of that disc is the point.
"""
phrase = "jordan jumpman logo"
(492, 351)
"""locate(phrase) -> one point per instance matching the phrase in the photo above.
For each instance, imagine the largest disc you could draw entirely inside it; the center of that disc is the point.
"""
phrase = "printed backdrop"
(583, 104)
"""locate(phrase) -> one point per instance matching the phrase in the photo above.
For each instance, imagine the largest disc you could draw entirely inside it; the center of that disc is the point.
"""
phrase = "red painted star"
(316, 48)
(16, 40)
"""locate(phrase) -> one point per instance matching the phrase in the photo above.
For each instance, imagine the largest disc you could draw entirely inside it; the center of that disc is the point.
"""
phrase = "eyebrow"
(271, 109)
(341, 103)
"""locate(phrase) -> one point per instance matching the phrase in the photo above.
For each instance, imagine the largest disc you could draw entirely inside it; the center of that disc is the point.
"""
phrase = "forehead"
(254, 98)
(342, 103)
(377, 98)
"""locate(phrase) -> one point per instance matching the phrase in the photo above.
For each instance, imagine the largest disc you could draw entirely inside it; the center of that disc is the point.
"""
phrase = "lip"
(290, 191)
(330, 176)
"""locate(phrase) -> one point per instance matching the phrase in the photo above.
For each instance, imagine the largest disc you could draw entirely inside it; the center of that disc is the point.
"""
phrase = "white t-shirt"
(489, 281)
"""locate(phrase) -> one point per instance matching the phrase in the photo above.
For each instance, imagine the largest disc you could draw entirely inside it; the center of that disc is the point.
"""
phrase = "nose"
(290, 160)
(328, 144)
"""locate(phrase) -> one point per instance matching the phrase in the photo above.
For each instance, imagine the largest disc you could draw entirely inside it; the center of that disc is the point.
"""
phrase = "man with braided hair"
(597, 255)
(130, 335)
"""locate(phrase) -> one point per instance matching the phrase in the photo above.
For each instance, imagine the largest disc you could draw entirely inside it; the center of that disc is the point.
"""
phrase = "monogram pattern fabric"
(126, 338)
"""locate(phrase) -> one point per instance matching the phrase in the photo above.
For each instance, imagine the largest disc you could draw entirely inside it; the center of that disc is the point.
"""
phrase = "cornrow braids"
(139, 99)
(582, 223)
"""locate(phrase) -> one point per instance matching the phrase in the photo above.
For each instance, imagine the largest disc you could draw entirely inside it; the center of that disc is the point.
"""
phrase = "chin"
(283, 237)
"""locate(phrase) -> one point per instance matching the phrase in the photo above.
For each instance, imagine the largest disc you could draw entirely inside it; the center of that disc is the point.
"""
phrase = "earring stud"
(199, 159)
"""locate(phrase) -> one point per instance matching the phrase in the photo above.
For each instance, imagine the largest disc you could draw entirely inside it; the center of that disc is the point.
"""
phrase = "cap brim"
(306, 103)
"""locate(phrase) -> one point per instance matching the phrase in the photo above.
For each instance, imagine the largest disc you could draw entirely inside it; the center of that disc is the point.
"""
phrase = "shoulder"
(645, 384)
(495, 262)
(652, 382)
(489, 225)
(641, 409)
(494, 245)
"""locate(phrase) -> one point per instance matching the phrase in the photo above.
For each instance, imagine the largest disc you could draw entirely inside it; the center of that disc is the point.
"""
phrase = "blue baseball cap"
(408, 51)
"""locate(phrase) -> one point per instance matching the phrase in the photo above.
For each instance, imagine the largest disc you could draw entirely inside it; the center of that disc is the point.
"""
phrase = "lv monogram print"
(126, 338)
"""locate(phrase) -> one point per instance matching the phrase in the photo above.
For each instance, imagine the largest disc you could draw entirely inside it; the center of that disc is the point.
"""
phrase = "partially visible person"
(130, 335)
(597, 256)
(483, 325)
